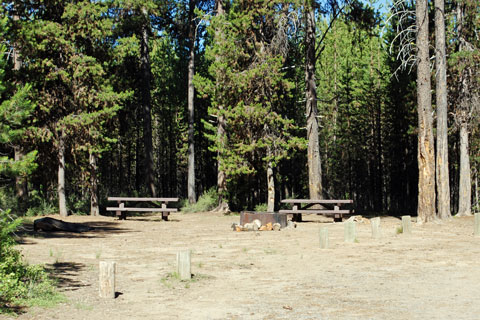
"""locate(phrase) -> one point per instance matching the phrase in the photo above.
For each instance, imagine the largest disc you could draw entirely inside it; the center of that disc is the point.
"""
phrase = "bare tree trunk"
(443, 186)
(62, 203)
(426, 153)
(465, 187)
(191, 109)
(94, 208)
(271, 188)
(313, 151)
(146, 105)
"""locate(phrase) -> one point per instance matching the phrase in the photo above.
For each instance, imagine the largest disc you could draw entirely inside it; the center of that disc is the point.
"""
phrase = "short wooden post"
(375, 223)
(107, 279)
(477, 224)
(349, 231)
(324, 237)
(184, 265)
(406, 225)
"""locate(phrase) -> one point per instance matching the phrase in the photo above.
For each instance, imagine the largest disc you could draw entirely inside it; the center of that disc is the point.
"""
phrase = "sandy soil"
(432, 274)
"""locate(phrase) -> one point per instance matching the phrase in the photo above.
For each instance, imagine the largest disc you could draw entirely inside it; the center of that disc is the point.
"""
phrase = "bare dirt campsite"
(432, 274)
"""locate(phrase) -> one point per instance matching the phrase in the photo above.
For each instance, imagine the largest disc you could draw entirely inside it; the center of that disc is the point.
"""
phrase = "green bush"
(206, 202)
(261, 207)
(20, 284)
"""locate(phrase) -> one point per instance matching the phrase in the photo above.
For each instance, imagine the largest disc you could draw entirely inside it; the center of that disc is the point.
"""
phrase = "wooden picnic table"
(330, 207)
(121, 210)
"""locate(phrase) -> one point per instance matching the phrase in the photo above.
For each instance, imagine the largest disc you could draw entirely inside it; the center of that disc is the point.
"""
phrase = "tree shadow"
(100, 229)
(65, 275)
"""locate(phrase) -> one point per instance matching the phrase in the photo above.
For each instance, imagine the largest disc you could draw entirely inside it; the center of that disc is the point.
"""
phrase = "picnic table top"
(314, 201)
(142, 199)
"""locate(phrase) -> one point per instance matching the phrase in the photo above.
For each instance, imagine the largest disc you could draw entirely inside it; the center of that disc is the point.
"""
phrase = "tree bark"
(221, 134)
(146, 104)
(426, 154)
(443, 186)
(62, 203)
(465, 187)
(271, 188)
(313, 151)
(191, 108)
(21, 183)
(94, 208)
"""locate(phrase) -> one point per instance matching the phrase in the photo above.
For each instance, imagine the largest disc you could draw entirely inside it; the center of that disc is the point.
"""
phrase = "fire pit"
(264, 217)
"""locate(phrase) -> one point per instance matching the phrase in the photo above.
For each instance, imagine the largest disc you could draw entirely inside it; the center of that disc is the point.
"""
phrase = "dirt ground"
(432, 274)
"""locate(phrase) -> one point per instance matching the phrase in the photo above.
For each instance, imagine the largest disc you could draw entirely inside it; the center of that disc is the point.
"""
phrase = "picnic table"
(329, 208)
(121, 210)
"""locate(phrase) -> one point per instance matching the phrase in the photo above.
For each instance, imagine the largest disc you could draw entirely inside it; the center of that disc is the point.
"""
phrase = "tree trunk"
(94, 208)
(426, 154)
(313, 151)
(270, 188)
(191, 110)
(146, 104)
(221, 134)
(62, 203)
(21, 183)
(465, 187)
(443, 186)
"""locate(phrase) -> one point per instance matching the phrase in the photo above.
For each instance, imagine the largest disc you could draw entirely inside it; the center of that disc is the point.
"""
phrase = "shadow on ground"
(101, 229)
(66, 275)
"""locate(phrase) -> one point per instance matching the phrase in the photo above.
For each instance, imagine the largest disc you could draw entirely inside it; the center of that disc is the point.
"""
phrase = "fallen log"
(47, 224)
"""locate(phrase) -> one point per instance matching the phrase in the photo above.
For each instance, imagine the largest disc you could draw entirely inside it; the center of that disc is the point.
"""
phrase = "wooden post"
(107, 279)
(184, 265)
(164, 213)
(406, 225)
(477, 224)
(324, 237)
(349, 231)
(375, 223)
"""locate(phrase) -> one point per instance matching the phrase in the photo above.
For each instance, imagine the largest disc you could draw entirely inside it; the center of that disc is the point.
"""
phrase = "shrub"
(206, 202)
(261, 207)
(20, 284)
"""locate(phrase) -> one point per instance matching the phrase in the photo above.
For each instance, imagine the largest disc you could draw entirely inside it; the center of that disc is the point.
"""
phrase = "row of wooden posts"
(351, 236)
(108, 268)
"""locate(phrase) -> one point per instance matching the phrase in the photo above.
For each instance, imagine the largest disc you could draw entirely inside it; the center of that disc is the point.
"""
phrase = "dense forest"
(256, 100)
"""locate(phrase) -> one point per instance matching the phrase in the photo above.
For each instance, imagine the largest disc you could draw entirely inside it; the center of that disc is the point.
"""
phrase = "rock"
(258, 223)
(276, 227)
(248, 227)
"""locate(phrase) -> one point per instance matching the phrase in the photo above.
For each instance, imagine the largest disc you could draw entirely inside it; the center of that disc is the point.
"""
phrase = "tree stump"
(184, 265)
(406, 225)
(107, 279)
(376, 232)
(324, 238)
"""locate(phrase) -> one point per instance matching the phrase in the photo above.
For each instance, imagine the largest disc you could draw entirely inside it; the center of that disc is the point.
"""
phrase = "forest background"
(242, 99)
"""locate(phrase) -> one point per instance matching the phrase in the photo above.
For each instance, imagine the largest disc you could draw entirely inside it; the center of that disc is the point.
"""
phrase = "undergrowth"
(21, 285)
(206, 202)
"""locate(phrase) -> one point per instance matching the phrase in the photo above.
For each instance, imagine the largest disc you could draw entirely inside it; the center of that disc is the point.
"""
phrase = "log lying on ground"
(51, 225)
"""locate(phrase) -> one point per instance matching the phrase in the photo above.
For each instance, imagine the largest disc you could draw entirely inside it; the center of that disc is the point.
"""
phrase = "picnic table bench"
(331, 208)
(122, 210)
